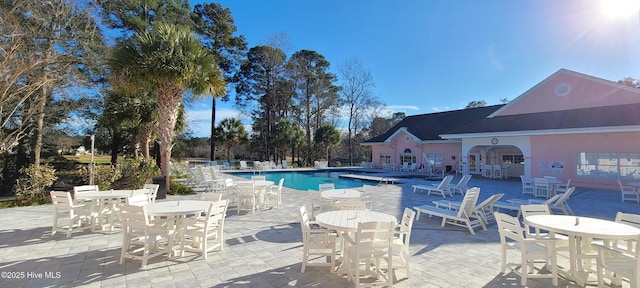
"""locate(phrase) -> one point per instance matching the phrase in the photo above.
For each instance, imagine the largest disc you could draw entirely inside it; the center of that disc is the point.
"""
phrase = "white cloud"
(440, 109)
(493, 58)
(397, 108)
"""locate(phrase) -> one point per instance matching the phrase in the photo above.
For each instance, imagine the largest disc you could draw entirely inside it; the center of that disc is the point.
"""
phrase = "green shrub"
(103, 175)
(31, 186)
(138, 172)
(179, 189)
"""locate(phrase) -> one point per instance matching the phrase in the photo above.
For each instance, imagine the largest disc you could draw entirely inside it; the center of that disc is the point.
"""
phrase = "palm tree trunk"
(170, 99)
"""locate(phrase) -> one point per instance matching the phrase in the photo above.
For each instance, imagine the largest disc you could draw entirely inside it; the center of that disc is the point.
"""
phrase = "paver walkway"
(264, 249)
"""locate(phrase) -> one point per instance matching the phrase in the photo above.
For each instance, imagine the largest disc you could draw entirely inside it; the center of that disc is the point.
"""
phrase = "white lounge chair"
(514, 204)
(461, 186)
(285, 165)
(484, 209)
(466, 216)
(442, 188)
(243, 165)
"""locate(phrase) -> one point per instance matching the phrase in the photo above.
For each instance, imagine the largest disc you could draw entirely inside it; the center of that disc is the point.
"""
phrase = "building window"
(385, 158)
(434, 161)
(407, 156)
(512, 159)
(602, 165)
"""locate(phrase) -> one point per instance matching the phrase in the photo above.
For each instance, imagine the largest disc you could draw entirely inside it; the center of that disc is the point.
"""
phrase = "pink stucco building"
(570, 125)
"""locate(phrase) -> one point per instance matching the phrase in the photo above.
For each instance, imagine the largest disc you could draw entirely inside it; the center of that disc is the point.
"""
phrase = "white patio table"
(582, 228)
(176, 210)
(103, 204)
(347, 220)
(341, 194)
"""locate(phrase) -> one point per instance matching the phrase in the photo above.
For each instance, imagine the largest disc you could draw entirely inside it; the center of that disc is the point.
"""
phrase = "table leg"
(573, 259)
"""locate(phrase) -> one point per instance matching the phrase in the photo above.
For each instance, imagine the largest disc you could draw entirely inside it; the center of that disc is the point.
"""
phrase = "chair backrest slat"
(468, 205)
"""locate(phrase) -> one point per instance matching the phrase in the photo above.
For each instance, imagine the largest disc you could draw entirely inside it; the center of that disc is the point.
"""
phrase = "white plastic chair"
(497, 172)
(561, 188)
(326, 186)
(316, 242)
(246, 197)
(622, 262)
(211, 196)
(488, 172)
(368, 195)
(629, 219)
(153, 191)
(372, 242)
(402, 237)
(541, 188)
(64, 210)
(137, 231)
(629, 193)
(139, 197)
(352, 204)
(199, 232)
(258, 177)
(274, 194)
(527, 185)
(512, 238)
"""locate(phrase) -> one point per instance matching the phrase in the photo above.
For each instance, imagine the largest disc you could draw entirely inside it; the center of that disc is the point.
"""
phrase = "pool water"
(305, 180)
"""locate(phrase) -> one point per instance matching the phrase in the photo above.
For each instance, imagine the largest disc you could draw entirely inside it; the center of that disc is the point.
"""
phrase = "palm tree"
(230, 132)
(169, 61)
(284, 134)
(326, 136)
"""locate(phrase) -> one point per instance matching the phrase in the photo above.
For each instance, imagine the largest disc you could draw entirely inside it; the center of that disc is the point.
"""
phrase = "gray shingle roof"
(606, 116)
(429, 126)
(474, 120)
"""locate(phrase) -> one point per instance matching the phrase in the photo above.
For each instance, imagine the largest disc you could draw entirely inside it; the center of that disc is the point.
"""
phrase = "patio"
(265, 249)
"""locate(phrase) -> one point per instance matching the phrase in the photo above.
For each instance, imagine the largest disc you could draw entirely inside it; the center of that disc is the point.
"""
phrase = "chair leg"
(525, 272)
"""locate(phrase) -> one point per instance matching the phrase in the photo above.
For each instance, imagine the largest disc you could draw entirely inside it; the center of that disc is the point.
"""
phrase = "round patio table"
(341, 194)
(347, 220)
(176, 210)
(577, 228)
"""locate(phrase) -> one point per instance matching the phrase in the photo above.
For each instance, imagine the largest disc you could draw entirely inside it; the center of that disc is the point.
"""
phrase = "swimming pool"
(305, 180)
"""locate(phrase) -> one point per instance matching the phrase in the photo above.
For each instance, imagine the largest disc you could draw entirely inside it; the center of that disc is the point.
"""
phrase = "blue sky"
(430, 56)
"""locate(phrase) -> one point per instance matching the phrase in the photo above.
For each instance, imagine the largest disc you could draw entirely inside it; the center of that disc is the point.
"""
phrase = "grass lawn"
(87, 159)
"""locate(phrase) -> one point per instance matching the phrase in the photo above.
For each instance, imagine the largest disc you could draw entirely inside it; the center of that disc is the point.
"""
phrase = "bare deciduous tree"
(357, 96)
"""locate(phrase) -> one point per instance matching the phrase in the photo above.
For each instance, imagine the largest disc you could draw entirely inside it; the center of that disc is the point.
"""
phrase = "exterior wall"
(564, 148)
(399, 144)
(450, 153)
(585, 92)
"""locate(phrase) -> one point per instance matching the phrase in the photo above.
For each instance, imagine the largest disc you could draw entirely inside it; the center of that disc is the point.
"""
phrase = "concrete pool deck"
(265, 249)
